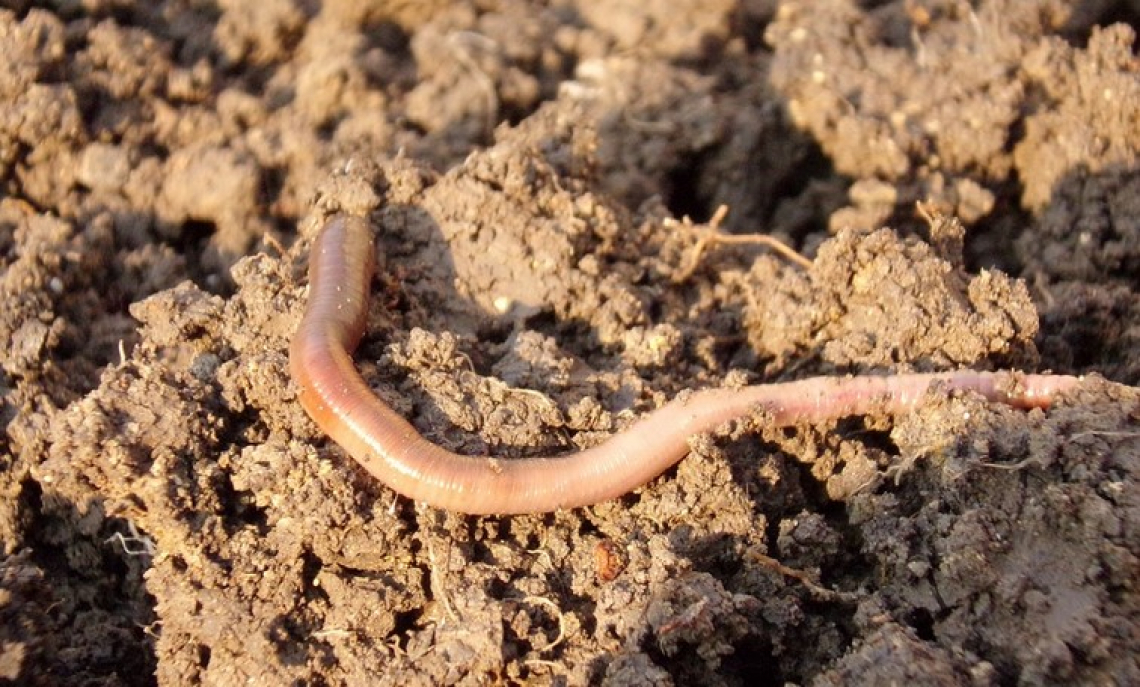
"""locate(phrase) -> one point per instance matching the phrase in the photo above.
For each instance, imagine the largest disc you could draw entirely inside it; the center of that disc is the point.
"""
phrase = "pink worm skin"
(340, 402)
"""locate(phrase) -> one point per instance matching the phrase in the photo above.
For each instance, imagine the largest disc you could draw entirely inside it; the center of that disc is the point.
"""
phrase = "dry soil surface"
(543, 178)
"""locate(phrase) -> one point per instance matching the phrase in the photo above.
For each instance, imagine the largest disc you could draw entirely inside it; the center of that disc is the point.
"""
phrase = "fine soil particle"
(544, 180)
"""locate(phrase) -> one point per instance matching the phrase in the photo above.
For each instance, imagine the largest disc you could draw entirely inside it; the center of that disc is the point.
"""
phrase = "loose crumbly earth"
(170, 515)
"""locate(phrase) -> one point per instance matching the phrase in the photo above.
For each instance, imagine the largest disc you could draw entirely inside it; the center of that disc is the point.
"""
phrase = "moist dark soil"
(545, 180)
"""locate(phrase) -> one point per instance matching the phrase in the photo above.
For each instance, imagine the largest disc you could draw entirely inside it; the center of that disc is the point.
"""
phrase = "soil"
(544, 179)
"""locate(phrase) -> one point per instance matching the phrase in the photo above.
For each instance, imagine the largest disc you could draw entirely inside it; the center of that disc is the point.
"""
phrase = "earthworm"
(336, 397)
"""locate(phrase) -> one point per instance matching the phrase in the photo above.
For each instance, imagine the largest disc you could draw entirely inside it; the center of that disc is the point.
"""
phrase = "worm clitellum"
(339, 401)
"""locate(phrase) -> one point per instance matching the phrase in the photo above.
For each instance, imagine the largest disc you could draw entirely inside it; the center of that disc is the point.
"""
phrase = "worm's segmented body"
(333, 393)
